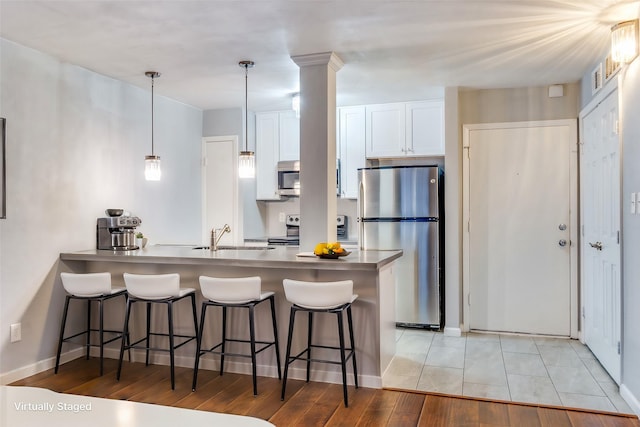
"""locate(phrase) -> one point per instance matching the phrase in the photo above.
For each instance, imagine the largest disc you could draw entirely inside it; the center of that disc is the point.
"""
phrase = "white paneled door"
(519, 262)
(600, 197)
(220, 201)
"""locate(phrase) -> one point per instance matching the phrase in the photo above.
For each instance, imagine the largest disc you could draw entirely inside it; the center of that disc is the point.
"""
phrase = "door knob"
(596, 245)
(562, 242)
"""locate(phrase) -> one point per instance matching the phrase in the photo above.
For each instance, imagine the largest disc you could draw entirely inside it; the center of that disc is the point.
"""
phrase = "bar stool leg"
(275, 335)
(125, 329)
(252, 337)
(343, 363)
(353, 346)
(171, 355)
(292, 317)
(199, 346)
(101, 332)
(64, 321)
(195, 316)
(146, 362)
(224, 338)
(309, 344)
(88, 340)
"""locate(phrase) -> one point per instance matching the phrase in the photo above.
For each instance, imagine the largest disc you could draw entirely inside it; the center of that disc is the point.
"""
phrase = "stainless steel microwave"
(289, 178)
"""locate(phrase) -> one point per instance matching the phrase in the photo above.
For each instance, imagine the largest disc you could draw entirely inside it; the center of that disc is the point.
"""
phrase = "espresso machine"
(117, 233)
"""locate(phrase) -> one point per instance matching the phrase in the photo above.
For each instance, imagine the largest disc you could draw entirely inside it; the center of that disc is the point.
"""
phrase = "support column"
(318, 204)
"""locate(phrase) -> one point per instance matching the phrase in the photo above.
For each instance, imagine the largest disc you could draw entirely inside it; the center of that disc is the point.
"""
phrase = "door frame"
(573, 213)
(237, 226)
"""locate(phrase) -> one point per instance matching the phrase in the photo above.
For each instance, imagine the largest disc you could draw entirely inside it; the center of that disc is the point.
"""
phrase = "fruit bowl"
(334, 256)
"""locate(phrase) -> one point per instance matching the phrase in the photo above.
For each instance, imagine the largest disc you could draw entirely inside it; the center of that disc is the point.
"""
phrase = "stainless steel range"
(292, 238)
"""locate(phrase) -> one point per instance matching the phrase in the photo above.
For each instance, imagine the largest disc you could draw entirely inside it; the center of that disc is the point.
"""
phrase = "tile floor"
(552, 371)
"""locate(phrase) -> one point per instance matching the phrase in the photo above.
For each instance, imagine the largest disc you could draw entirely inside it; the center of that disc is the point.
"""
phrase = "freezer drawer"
(417, 271)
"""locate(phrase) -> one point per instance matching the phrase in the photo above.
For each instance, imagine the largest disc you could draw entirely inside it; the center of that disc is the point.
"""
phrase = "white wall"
(76, 142)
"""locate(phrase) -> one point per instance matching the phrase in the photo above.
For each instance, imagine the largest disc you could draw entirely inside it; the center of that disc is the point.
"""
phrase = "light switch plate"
(638, 203)
(633, 204)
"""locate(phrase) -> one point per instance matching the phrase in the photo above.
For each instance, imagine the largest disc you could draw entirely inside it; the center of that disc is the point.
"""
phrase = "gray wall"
(76, 142)
(516, 105)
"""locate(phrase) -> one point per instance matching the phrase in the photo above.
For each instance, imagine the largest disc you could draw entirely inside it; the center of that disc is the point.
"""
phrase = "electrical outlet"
(16, 332)
(281, 217)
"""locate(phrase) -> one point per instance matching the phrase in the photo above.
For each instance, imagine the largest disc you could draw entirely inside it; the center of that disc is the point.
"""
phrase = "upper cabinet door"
(425, 128)
(351, 131)
(267, 156)
(289, 135)
(385, 130)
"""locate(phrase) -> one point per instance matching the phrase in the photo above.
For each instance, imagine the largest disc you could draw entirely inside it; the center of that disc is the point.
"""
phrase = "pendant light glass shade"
(247, 164)
(152, 170)
(295, 103)
(247, 159)
(624, 41)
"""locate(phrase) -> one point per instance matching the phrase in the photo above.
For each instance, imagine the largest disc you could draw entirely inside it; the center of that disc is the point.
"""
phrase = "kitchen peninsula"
(373, 312)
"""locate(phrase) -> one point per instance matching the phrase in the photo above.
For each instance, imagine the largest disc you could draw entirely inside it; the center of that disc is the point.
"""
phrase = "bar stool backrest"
(320, 295)
(86, 284)
(235, 290)
(152, 286)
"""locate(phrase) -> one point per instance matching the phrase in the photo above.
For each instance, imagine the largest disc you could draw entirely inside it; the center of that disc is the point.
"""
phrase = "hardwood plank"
(523, 416)
(297, 405)
(380, 408)
(268, 402)
(583, 419)
(435, 411)
(553, 418)
(232, 387)
(325, 406)
(465, 413)
(359, 400)
(493, 413)
(407, 410)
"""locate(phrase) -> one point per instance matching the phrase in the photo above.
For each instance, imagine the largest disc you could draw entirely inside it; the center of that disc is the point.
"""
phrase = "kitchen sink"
(238, 248)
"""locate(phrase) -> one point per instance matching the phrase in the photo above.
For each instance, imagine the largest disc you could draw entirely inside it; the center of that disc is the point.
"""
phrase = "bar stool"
(242, 292)
(88, 287)
(321, 297)
(157, 289)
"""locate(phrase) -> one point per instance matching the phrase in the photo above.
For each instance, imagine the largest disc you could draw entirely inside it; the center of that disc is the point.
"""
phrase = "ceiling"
(393, 50)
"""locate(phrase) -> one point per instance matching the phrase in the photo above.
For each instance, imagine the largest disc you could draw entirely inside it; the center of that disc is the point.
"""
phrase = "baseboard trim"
(40, 366)
(208, 363)
(632, 401)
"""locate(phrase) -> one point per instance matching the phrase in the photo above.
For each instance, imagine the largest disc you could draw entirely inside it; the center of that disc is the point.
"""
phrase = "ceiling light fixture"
(152, 163)
(247, 159)
(624, 41)
(295, 103)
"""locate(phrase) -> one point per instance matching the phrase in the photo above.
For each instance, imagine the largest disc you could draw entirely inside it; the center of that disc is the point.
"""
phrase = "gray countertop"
(280, 257)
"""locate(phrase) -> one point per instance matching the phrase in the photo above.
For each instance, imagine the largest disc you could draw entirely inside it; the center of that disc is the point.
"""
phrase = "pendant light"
(247, 159)
(152, 163)
(624, 41)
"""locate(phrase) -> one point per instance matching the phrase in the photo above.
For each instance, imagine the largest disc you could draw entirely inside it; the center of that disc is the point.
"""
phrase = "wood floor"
(311, 404)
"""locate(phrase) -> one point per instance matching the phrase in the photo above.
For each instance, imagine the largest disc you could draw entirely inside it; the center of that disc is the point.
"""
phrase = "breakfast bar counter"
(373, 312)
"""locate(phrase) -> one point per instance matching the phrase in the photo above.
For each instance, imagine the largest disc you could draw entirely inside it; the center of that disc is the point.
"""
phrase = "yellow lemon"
(319, 248)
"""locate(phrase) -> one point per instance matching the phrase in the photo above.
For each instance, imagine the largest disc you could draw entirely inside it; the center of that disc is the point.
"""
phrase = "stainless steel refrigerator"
(400, 207)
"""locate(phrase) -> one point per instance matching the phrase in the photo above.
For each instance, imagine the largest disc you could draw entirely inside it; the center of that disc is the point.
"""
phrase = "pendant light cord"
(152, 81)
(246, 107)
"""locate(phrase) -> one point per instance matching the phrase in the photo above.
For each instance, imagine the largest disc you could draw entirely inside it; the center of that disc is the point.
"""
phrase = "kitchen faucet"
(215, 237)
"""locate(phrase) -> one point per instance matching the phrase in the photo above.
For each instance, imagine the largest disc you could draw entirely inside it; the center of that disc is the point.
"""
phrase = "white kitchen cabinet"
(385, 130)
(277, 138)
(405, 129)
(351, 148)
(289, 135)
(425, 128)
(267, 155)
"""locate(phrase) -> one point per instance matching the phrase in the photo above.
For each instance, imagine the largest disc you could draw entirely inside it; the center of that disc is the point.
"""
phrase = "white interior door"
(220, 201)
(518, 206)
(600, 196)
